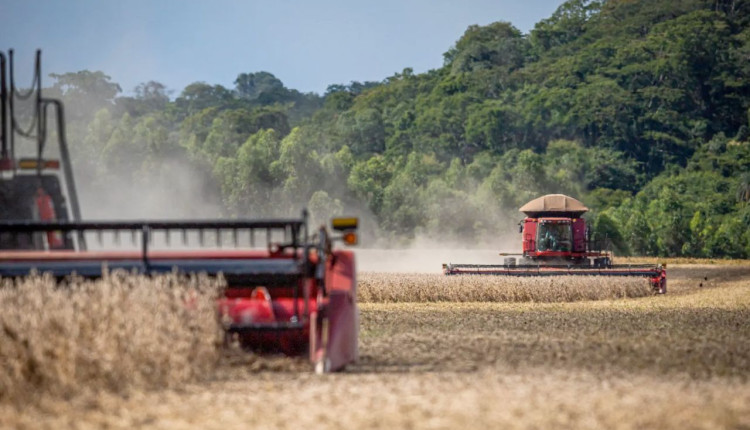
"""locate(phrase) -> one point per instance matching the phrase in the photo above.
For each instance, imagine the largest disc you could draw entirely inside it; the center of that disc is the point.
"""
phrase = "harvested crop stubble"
(399, 287)
(120, 332)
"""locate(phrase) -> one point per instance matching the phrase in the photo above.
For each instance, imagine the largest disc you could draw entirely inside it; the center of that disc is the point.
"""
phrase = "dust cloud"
(176, 193)
(428, 255)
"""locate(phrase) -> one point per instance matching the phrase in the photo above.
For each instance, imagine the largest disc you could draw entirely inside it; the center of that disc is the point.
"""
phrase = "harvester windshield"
(554, 236)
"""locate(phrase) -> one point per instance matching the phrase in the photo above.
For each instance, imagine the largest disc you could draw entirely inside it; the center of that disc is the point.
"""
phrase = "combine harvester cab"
(555, 242)
(287, 290)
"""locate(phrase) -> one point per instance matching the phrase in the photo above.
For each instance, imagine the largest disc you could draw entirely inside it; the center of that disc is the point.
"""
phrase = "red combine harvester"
(556, 243)
(287, 290)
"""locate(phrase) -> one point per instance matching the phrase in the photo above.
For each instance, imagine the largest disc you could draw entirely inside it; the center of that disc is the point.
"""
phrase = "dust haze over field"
(427, 255)
(178, 193)
(420, 260)
(165, 187)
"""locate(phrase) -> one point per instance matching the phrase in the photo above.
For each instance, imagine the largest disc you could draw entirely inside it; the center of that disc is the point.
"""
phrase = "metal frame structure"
(38, 121)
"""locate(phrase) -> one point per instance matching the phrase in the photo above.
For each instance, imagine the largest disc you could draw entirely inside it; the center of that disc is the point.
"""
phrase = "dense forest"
(639, 108)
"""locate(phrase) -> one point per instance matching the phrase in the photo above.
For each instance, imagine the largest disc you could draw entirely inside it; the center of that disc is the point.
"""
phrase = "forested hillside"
(640, 108)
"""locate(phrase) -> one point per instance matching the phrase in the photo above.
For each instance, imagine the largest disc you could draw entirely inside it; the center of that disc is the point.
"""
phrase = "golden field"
(115, 334)
(423, 287)
(428, 360)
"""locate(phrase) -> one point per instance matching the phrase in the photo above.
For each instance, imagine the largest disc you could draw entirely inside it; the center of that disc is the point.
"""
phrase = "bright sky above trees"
(308, 45)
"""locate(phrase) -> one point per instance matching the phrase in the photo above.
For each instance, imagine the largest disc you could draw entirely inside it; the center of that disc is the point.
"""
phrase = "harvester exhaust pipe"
(35, 87)
(65, 161)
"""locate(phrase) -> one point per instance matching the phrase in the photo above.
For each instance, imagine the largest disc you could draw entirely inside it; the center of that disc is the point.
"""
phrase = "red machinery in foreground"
(295, 295)
(287, 290)
(556, 243)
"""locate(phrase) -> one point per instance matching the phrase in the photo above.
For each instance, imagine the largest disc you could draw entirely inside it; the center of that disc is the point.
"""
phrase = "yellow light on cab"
(344, 223)
(32, 163)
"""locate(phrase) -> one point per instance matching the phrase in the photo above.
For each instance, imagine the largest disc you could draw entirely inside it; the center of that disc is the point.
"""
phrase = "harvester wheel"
(509, 262)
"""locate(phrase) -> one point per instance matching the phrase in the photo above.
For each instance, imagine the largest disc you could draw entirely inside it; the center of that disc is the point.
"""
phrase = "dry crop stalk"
(413, 287)
(120, 332)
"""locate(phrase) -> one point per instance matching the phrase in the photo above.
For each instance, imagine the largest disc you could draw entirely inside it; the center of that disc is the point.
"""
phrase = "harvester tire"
(509, 262)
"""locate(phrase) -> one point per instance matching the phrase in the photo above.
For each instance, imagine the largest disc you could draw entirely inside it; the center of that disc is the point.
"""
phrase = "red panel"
(343, 316)
(46, 210)
(247, 310)
(227, 254)
(341, 274)
(579, 235)
(259, 310)
(529, 235)
(6, 164)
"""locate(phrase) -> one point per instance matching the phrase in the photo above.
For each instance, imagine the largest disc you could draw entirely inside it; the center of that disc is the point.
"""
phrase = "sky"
(308, 45)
